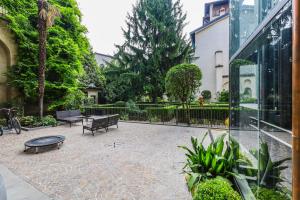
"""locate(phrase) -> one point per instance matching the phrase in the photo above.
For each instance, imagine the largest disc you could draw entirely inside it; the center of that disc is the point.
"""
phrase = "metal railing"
(195, 117)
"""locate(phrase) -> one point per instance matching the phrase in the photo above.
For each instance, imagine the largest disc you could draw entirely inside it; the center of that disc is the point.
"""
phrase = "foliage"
(269, 172)
(154, 42)
(32, 121)
(73, 100)
(163, 114)
(216, 189)
(94, 75)
(209, 113)
(27, 120)
(224, 96)
(206, 94)
(134, 112)
(248, 100)
(121, 84)
(262, 193)
(68, 50)
(182, 81)
(215, 160)
(120, 104)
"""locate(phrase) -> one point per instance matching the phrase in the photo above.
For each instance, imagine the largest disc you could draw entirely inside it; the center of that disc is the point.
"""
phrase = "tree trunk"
(42, 29)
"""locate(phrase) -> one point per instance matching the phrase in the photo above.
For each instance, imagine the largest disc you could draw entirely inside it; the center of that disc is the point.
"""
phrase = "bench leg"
(106, 129)
(117, 125)
(93, 133)
(70, 124)
(82, 131)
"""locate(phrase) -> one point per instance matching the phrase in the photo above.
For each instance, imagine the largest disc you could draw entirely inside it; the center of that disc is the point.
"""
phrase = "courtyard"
(134, 161)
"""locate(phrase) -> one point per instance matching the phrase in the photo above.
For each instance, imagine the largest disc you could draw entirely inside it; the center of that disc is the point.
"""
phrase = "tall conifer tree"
(154, 42)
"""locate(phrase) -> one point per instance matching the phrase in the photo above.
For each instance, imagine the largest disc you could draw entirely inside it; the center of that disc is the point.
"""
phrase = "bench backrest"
(100, 123)
(113, 119)
(67, 113)
(62, 114)
(74, 113)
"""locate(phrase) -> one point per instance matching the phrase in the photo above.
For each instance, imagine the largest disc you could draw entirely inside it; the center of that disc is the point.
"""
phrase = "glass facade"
(246, 15)
(261, 99)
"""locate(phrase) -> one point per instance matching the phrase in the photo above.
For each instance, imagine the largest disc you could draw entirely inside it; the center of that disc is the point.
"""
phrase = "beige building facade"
(8, 57)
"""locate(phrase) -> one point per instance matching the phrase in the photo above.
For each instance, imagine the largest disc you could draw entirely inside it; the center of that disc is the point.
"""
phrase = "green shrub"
(224, 96)
(164, 114)
(270, 171)
(120, 104)
(27, 120)
(206, 94)
(248, 100)
(217, 159)
(49, 120)
(32, 121)
(182, 81)
(262, 193)
(215, 189)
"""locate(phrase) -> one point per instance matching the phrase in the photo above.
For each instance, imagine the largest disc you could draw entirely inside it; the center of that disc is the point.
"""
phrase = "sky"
(104, 19)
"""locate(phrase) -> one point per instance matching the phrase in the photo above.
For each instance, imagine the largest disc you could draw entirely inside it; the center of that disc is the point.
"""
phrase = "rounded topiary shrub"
(120, 104)
(206, 94)
(215, 189)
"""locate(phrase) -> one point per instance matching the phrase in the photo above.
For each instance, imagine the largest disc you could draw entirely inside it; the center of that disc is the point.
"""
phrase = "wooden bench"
(69, 116)
(101, 122)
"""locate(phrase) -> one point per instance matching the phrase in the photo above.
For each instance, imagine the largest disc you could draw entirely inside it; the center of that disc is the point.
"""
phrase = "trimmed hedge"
(164, 114)
(198, 115)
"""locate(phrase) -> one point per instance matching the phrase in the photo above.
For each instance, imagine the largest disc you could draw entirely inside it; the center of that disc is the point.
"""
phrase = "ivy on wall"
(69, 56)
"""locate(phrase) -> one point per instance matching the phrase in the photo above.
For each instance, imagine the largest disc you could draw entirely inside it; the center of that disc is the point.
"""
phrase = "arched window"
(248, 92)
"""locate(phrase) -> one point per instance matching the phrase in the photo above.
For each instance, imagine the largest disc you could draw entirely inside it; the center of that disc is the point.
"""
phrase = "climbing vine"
(69, 55)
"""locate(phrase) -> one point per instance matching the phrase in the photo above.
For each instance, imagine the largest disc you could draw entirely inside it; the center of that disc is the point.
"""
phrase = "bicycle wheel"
(16, 125)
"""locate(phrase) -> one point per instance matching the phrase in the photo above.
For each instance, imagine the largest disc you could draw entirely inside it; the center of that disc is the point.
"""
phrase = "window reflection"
(260, 85)
(245, 16)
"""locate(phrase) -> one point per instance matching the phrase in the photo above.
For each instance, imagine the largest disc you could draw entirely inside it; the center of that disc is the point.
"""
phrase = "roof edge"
(102, 54)
(210, 23)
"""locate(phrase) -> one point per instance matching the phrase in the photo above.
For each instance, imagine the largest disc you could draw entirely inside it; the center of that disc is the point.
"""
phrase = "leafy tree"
(154, 42)
(182, 82)
(46, 16)
(68, 51)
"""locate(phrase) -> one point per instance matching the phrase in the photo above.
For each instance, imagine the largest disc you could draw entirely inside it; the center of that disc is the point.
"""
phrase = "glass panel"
(260, 84)
(245, 16)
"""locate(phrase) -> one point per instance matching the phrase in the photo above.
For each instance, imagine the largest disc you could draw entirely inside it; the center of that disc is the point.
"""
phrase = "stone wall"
(8, 57)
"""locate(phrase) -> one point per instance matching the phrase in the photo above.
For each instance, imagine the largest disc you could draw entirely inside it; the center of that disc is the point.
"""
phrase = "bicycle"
(12, 121)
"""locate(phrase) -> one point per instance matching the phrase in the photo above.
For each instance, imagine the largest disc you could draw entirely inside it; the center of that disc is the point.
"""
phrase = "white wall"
(207, 42)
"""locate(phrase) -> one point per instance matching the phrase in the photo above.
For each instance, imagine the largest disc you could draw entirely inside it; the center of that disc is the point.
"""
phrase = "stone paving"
(134, 162)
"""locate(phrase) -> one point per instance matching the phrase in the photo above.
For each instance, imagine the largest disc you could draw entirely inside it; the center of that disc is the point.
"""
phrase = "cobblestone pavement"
(134, 162)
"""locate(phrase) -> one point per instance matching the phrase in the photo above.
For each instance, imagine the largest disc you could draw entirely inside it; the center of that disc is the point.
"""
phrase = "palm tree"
(46, 16)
